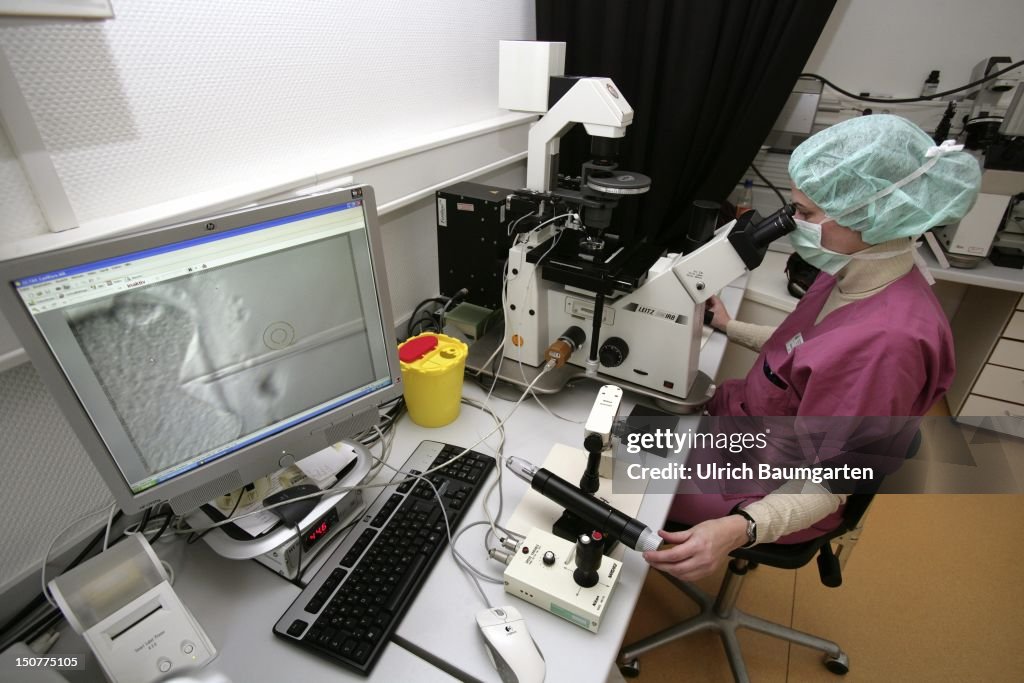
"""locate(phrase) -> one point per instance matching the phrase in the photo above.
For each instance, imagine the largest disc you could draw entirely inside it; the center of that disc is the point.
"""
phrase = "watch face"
(751, 532)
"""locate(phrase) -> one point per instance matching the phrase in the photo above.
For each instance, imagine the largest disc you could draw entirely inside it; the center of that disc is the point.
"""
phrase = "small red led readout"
(318, 532)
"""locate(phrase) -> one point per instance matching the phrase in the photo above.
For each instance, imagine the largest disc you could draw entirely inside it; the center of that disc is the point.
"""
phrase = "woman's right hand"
(720, 317)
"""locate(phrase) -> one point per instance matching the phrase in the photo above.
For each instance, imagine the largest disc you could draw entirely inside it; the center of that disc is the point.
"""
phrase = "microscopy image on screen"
(195, 363)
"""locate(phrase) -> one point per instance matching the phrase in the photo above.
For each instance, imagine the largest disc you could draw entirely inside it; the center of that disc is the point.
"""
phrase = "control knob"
(613, 352)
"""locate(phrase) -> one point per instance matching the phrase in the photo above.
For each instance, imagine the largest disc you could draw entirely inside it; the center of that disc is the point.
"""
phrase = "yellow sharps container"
(432, 369)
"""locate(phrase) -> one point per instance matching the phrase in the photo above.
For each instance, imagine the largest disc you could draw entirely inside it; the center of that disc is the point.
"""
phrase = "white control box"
(550, 585)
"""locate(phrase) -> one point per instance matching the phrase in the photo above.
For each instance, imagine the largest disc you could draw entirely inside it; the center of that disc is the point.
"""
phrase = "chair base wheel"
(630, 669)
(839, 665)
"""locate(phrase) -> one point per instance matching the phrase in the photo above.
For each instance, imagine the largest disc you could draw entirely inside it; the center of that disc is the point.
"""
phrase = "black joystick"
(589, 549)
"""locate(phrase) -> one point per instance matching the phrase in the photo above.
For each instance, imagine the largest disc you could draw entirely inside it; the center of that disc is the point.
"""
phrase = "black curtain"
(706, 80)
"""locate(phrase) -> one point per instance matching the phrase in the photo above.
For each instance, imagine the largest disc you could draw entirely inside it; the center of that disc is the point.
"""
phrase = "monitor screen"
(205, 355)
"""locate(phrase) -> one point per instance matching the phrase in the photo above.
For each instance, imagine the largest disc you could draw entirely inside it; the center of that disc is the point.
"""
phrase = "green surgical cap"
(849, 171)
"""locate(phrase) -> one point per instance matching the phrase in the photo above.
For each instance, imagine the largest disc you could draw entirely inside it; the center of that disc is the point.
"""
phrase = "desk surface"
(441, 626)
(237, 603)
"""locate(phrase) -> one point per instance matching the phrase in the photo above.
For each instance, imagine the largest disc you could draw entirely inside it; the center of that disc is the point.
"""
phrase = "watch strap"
(751, 527)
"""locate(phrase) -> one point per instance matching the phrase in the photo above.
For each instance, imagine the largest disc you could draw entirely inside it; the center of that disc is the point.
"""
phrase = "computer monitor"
(193, 359)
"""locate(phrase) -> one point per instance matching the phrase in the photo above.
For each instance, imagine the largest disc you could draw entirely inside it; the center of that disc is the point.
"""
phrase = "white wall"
(176, 109)
(177, 99)
(890, 46)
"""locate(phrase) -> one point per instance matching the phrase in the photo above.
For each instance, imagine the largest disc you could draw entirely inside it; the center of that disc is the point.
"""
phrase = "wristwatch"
(751, 528)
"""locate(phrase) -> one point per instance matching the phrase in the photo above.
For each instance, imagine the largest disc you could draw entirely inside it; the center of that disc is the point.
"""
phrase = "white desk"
(440, 626)
(237, 603)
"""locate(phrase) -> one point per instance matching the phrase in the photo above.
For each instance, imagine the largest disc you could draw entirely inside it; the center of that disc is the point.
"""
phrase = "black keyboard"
(349, 609)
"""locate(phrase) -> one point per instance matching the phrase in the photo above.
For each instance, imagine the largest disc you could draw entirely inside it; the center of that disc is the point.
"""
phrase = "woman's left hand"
(699, 550)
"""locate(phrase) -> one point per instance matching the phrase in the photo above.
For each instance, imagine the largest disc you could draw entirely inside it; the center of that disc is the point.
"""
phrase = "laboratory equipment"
(597, 441)
(572, 581)
(796, 120)
(562, 262)
(994, 221)
(931, 84)
(1008, 246)
(993, 129)
(349, 609)
(122, 604)
(193, 359)
(595, 512)
(991, 100)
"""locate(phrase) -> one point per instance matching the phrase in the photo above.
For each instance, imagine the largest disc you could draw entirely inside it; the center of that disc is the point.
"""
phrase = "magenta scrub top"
(890, 354)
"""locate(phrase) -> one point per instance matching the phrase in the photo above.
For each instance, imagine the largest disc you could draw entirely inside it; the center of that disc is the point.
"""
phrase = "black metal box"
(472, 241)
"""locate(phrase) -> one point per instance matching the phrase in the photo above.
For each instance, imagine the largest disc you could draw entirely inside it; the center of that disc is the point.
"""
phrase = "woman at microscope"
(868, 339)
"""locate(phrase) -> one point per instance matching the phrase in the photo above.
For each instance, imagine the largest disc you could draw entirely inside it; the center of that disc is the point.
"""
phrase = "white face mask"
(806, 241)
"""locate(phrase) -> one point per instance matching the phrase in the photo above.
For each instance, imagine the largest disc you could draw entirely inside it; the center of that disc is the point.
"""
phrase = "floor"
(931, 592)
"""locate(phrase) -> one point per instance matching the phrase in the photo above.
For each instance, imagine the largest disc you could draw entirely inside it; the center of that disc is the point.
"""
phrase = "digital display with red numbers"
(319, 529)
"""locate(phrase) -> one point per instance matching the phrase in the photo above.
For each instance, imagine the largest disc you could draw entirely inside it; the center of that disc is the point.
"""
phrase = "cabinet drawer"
(1001, 416)
(1009, 353)
(1015, 330)
(979, 405)
(1000, 383)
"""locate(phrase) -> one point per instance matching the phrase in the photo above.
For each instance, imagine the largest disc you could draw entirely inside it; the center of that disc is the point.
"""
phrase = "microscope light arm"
(601, 421)
(594, 102)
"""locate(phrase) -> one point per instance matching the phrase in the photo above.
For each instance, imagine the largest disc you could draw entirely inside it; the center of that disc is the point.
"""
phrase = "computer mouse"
(510, 647)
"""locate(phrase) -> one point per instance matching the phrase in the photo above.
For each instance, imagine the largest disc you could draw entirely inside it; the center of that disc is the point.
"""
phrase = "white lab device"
(993, 98)
(650, 337)
(600, 424)
(969, 241)
(641, 312)
(123, 605)
(510, 647)
(541, 571)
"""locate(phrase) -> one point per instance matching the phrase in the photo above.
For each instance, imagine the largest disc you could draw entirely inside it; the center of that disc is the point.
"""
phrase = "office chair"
(720, 614)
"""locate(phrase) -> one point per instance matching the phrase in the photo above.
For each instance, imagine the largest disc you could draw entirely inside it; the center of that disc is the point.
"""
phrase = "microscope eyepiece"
(775, 226)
